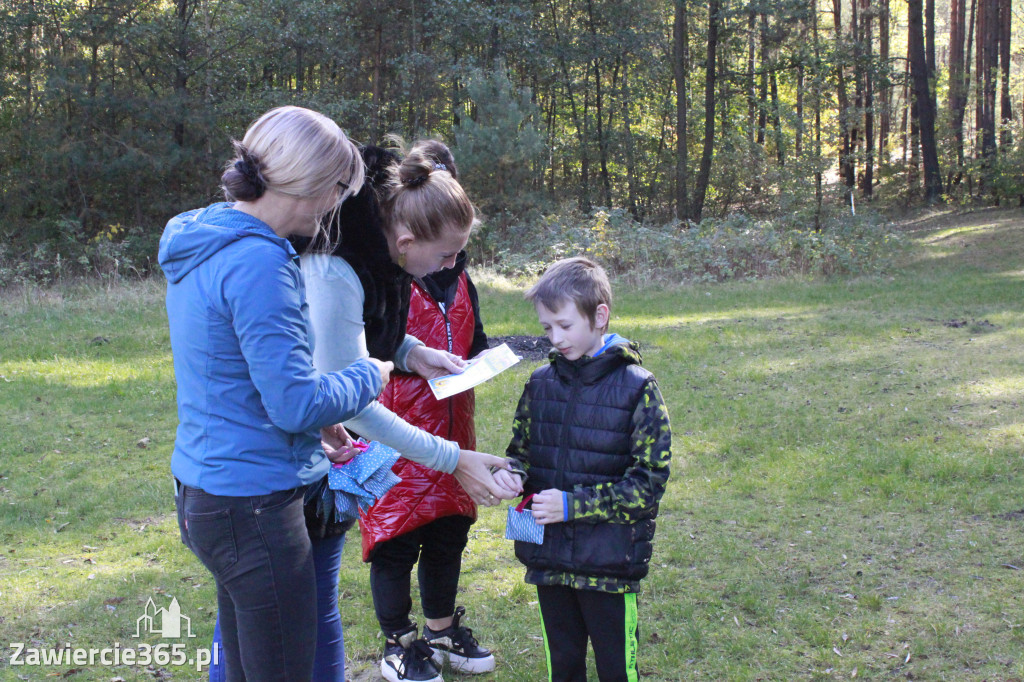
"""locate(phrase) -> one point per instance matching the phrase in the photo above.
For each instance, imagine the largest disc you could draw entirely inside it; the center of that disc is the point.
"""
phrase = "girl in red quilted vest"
(426, 517)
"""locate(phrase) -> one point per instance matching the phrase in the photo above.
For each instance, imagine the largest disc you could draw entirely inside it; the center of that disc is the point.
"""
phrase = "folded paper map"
(477, 372)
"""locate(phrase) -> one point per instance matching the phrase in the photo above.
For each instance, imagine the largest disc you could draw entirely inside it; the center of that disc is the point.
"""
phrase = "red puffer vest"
(425, 494)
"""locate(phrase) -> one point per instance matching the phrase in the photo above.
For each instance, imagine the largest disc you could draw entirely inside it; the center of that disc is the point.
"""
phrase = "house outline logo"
(166, 623)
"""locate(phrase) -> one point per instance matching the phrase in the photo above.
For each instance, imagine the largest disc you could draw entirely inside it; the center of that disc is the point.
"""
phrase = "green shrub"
(66, 251)
(718, 249)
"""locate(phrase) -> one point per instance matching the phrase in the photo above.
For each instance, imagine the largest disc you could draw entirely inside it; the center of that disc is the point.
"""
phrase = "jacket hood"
(193, 237)
(617, 351)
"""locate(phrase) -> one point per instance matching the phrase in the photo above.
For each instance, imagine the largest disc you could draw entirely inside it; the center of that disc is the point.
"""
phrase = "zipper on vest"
(451, 347)
(563, 448)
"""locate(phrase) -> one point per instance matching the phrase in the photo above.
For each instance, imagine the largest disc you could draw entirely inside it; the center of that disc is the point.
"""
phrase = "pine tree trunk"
(780, 151)
(800, 107)
(630, 145)
(956, 103)
(751, 85)
(602, 142)
(924, 101)
(762, 110)
(965, 82)
(28, 62)
(987, 45)
(183, 15)
(884, 87)
(817, 121)
(867, 187)
(377, 94)
(580, 125)
(704, 174)
(904, 131)
(857, 116)
(846, 165)
(681, 67)
(1006, 110)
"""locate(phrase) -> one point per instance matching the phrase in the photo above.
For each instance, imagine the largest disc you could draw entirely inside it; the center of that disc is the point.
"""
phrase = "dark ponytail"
(243, 179)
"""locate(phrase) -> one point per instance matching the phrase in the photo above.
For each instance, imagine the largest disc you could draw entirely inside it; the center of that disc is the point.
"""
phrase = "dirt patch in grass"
(528, 347)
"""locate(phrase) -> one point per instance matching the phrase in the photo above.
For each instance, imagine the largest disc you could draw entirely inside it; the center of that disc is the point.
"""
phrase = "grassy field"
(844, 504)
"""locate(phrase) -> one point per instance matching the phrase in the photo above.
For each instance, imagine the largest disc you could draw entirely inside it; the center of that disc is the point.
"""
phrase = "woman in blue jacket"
(252, 409)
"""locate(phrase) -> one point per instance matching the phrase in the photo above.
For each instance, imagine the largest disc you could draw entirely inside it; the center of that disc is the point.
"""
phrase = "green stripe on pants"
(547, 650)
(631, 624)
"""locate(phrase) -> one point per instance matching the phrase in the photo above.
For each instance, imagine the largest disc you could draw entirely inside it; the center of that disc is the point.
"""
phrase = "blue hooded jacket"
(250, 404)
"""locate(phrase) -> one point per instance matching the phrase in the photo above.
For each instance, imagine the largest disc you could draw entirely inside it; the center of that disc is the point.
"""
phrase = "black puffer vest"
(580, 425)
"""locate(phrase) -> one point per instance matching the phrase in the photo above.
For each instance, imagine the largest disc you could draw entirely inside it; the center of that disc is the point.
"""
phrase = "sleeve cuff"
(402, 354)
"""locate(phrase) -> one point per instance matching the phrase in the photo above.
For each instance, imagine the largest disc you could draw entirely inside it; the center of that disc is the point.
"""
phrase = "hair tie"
(440, 166)
(251, 172)
(415, 181)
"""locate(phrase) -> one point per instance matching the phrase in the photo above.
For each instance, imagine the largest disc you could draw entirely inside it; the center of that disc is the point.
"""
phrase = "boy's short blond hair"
(578, 280)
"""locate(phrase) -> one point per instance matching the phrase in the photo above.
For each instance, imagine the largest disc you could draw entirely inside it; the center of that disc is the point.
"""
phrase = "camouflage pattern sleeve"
(519, 447)
(644, 481)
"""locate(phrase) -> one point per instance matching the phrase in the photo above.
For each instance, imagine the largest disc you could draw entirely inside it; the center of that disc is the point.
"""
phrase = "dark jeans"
(329, 662)
(438, 547)
(259, 553)
(571, 616)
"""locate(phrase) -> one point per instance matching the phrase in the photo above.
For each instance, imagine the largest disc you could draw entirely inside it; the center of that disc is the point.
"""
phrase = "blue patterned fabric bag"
(522, 526)
(362, 480)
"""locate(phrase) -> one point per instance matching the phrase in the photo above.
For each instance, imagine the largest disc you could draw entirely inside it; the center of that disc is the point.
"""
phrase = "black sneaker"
(457, 646)
(408, 658)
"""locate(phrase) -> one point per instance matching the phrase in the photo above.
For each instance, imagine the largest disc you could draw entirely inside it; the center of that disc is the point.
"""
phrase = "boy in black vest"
(592, 436)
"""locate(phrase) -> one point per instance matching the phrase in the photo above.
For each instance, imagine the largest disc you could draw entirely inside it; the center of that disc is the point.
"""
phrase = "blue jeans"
(329, 661)
(260, 555)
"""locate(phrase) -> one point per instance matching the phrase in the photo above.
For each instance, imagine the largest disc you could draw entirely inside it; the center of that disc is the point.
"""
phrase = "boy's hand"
(508, 480)
(430, 363)
(548, 507)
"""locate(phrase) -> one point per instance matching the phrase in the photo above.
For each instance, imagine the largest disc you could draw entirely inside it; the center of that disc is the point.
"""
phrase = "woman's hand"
(430, 363)
(548, 507)
(474, 474)
(385, 369)
(337, 443)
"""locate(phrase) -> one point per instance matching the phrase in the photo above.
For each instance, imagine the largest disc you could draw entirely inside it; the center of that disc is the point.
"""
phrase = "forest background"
(737, 138)
(846, 496)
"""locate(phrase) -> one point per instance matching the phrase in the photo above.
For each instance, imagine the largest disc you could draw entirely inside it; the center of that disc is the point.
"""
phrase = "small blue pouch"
(522, 526)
